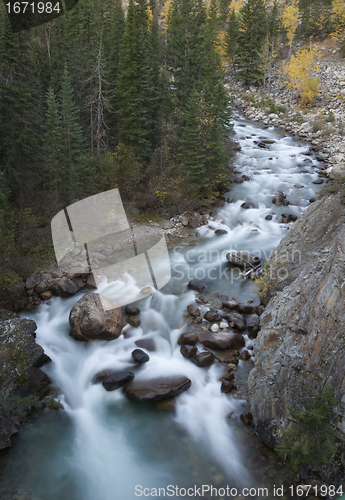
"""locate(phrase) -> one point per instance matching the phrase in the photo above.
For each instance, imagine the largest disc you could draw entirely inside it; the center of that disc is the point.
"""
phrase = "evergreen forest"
(130, 95)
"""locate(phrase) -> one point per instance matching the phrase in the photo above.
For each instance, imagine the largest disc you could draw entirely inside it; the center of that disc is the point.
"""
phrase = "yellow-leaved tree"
(338, 19)
(301, 73)
(236, 5)
(289, 19)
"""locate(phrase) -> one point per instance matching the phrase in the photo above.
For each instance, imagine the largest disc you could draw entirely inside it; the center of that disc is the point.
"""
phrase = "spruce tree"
(251, 37)
(190, 149)
(21, 112)
(113, 38)
(53, 149)
(75, 170)
(128, 83)
(231, 35)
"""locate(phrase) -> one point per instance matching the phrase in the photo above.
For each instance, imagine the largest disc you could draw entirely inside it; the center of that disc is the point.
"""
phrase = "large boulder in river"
(89, 321)
(243, 259)
(156, 389)
(221, 340)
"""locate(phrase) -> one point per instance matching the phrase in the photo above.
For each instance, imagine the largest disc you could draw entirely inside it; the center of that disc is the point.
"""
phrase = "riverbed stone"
(32, 281)
(193, 310)
(167, 224)
(247, 418)
(168, 404)
(243, 259)
(220, 232)
(156, 389)
(213, 316)
(63, 287)
(46, 295)
(237, 320)
(279, 198)
(227, 386)
(116, 380)
(253, 330)
(214, 328)
(221, 340)
(133, 321)
(203, 359)
(139, 356)
(132, 310)
(245, 355)
(89, 321)
(188, 338)
(230, 304)
(188, 350)
(198, 286)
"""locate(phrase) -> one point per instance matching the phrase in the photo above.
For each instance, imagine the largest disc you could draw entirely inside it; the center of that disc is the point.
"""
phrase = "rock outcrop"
(302, 339)
(22, 384)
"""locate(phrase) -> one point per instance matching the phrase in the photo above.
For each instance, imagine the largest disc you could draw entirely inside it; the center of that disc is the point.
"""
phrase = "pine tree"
(113, 38)
(21, 112)
(251, 37)
(270, 47)
(53, 149)
(74, 156)
(190, 151)
(231, 35)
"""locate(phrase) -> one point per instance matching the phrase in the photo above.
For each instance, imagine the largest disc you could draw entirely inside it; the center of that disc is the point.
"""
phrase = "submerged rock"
(156, 389)
(198, 286)
(140, 356)
(146, 343)
(220, 232)
(89, 321)
(243, 259)
(116, 380)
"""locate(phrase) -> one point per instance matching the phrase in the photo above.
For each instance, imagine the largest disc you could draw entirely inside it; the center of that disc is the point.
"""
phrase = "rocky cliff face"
(22, 383)
(302, 339)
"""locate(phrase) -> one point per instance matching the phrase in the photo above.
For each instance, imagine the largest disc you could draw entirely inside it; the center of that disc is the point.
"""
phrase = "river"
(105, 447)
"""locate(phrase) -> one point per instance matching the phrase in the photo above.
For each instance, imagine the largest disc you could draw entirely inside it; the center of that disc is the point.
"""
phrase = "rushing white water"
(111, 444)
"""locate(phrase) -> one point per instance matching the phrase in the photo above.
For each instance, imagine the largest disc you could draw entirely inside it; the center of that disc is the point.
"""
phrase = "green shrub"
(310, 438)
(317, 125)
(330, 118)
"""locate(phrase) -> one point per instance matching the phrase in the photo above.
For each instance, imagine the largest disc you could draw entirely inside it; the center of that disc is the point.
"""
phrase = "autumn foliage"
(300, 73)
